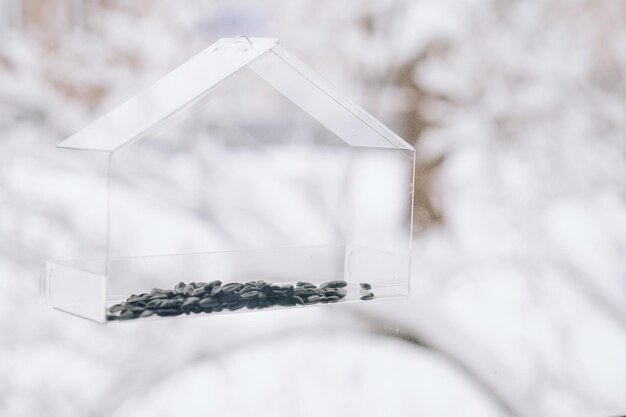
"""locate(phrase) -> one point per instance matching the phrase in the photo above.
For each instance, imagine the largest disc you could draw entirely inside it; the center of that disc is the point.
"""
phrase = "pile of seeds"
(202, 297)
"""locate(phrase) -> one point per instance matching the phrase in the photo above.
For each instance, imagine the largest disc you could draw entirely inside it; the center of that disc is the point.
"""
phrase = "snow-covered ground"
(518, 303)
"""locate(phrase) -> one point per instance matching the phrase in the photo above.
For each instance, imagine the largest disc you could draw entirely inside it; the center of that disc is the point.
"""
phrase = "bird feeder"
(239, 172)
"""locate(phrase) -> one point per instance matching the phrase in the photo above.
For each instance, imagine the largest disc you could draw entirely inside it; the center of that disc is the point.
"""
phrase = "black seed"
(247, 288)
(288, 288)
(189, 289)
(147, 313)
(115, 308)
(226, 297)
(173, 303)
(215, 291)
(313, 299)
(154, 303)
(208, 302)
(297, 299)
(180, 288)
(190, 302)
(112, 317)
(231, 288)
(213, 284)
(365, 286)
(236, 306)
(332, 299)
(158, 297)
(159, 293)
(169, 312)
(335, 284)
(368, 296)
(250, 295)
(127, 314)
(138, 298)
(198, 292)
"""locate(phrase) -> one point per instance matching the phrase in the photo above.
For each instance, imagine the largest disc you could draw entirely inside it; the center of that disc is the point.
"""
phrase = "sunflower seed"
(127, 314)
(213, 284)
(169, 312)
(147, 313)
(236, 305)
(156, 291)
(368, 296)
(208, 302)
(172, 303)
(215, 291)
(250, 295)
(247, 288)
(138, 298)
(115, 308)
(154, 303)
(189, 289)
(231, 288)
(336, 284)
(313, 299)
(365, 286)
(190, 302)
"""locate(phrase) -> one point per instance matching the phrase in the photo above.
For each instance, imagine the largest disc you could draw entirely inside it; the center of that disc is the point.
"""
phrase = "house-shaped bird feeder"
(240, 181)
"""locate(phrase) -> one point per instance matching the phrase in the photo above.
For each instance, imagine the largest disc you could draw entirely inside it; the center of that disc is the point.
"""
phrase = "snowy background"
(517, 110)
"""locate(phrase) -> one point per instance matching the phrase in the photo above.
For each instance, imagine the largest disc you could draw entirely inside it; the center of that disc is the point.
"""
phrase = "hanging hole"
(243, 43)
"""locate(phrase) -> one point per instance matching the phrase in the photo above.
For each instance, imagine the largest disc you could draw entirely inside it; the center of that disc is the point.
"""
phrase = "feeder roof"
(207, 71)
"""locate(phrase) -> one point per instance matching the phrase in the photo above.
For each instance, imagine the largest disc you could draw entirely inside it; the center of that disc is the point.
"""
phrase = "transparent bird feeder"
(240, 166)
